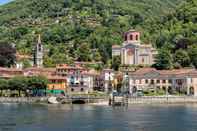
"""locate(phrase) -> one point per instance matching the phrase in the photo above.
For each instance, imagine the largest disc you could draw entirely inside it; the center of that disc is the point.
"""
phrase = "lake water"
(26, 117)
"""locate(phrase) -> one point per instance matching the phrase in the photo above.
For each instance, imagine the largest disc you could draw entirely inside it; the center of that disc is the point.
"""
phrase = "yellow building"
(57, 85)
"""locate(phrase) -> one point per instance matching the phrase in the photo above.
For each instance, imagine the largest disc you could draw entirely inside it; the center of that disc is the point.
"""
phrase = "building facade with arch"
(177, 79)
(133, 52)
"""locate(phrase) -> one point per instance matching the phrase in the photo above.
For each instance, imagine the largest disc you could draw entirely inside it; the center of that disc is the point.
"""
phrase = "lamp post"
(109, 83)
(126, 84)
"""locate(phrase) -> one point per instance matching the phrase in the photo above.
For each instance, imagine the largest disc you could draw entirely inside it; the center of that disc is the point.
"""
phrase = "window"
(140, 81)
(142, 60)
(72, 90)
(158, 81)
(137, 37)
(133, 81)
(164, 81)
(164, 88)
(131, 37)
(146, 81)
(72, 81)
(152, 81)
(39, 47)
(125, 37)
(82, 89)
(169, 81)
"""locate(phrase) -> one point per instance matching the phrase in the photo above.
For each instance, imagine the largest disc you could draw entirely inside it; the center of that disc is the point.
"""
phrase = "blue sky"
(4, 1)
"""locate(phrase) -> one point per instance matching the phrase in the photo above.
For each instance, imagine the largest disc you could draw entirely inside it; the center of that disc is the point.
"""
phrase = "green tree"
(26, 63)
(97, 56)
(3, 85)
(37, 83)
(193, 55)
(163, 60)
(181, 57)
(18, 83)
(84, 52)
(116, 61)
(7, 54)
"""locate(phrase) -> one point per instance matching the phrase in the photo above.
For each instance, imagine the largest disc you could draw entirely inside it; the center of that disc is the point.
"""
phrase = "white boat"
(52, 100)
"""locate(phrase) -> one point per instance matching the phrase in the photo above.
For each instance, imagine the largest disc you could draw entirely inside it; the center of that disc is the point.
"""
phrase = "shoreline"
(104, 101)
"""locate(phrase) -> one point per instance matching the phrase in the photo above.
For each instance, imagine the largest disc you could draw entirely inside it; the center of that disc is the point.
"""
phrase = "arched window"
(39, 47)
(131, 37)
(142, 60)
(72, 81)
(125, 37)
(137, 37)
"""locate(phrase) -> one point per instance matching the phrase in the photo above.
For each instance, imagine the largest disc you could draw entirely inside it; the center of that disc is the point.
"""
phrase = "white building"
(168, 80)
(108, 78)
(133, 52)
(79, 79)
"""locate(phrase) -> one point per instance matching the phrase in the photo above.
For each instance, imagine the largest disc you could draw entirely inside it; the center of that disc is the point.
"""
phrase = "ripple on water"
(27, 117)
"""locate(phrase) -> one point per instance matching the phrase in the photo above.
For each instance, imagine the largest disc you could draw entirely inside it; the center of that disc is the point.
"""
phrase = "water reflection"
(24, 117)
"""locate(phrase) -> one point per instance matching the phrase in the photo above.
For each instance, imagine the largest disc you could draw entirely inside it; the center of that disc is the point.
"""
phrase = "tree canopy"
(69, 25)
(7, 54)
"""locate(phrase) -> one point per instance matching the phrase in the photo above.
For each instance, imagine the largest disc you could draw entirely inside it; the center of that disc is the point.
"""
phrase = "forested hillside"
(176, 37)
(85, 29)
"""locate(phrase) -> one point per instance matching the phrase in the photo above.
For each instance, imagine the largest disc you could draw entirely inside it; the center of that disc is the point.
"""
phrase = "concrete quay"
(162, 99)
(23, 99)
(131, 100)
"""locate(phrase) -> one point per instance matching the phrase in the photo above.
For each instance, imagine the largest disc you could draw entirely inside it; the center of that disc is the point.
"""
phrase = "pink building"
(133, 52)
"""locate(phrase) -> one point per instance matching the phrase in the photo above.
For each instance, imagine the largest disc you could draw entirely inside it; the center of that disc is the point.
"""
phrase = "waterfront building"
(108, 78)
(133, 52)
(99, 83)
(57, 85)
(168, 80)
(34, 71)
(7, 73)
(79, 79)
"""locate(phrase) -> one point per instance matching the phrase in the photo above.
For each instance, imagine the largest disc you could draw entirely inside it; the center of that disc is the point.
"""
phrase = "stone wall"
(23, 99)
(170, 100)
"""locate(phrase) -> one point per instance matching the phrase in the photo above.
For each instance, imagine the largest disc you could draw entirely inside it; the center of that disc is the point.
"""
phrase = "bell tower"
(38, 53)
(132, 36)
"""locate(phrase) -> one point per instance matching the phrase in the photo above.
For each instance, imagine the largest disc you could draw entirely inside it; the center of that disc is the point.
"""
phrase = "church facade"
(133, 52)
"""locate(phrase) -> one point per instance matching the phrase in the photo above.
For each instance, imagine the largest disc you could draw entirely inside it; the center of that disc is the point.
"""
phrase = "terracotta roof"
(39, 69)
(56, 78)
(131, 30)
(143, 71)
(23, 56)
(10, 69)
(165, 73)
(65, 66)
(83, 62)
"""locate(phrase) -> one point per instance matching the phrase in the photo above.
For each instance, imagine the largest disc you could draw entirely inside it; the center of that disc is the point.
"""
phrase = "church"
(133, 52)
(35, 60)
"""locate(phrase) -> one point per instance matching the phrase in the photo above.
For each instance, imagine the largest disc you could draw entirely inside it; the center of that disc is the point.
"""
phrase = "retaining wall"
(23, 99)
(150, 100)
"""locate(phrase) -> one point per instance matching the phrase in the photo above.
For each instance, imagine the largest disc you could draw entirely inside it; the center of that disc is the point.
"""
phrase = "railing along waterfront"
(162, 99)
(22, 99)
